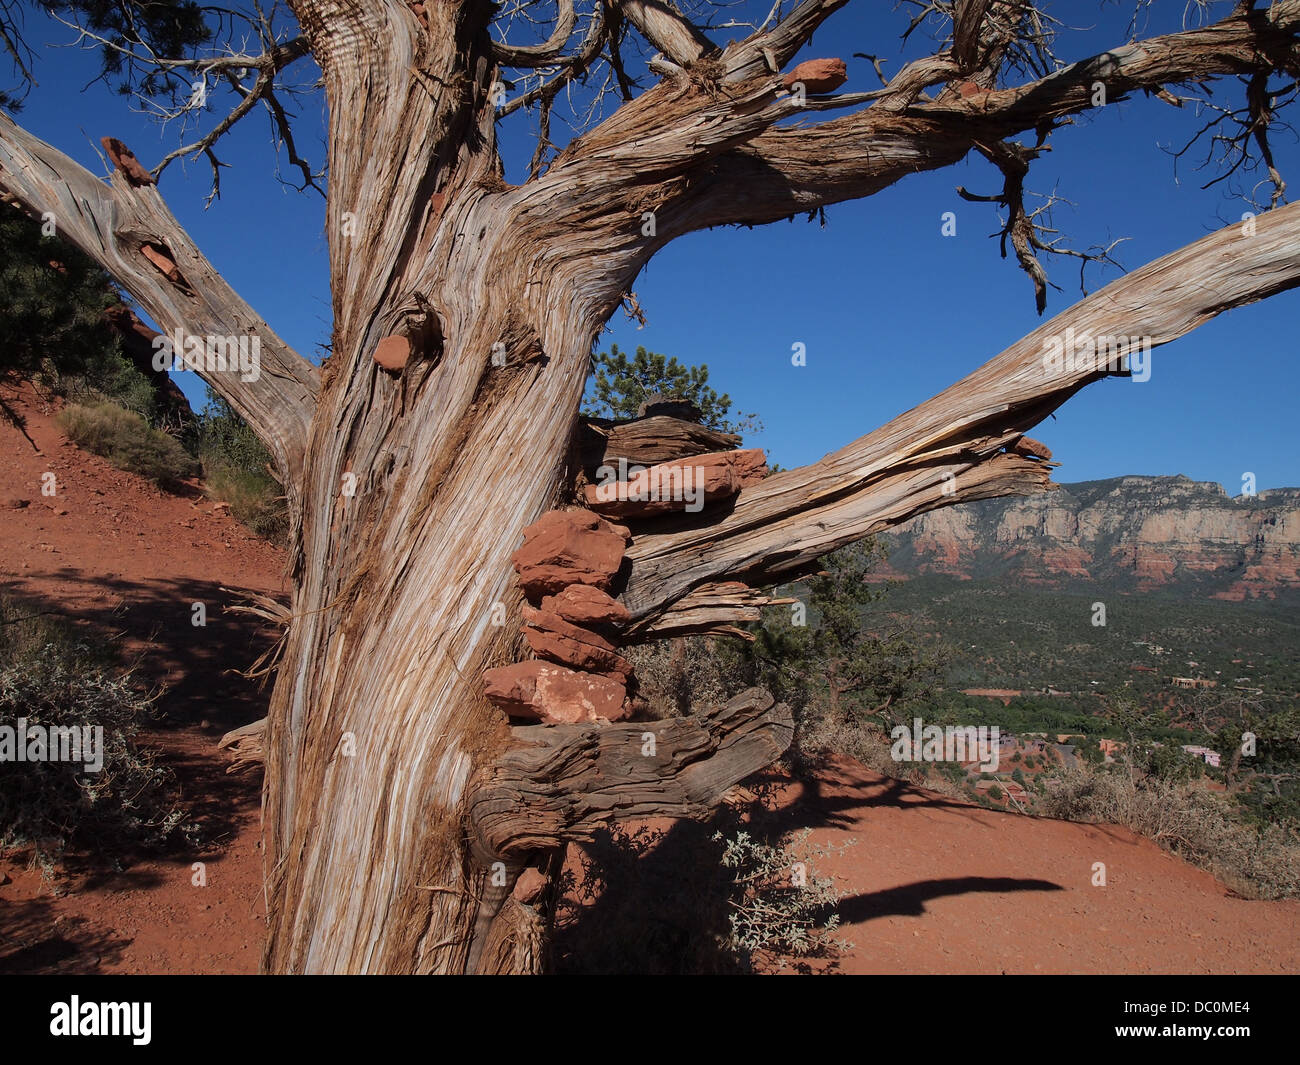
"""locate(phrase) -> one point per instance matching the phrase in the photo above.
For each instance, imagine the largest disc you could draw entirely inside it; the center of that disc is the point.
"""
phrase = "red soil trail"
(940, 886)
(934, 885)
(115, 556)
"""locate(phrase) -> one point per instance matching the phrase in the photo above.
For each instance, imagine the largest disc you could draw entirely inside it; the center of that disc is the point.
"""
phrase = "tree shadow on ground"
(198, 697)
(195, 667)
(36, 943)
(908, 900)
(656, 899)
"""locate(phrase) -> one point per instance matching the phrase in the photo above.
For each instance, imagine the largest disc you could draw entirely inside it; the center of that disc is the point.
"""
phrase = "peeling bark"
(392, 787)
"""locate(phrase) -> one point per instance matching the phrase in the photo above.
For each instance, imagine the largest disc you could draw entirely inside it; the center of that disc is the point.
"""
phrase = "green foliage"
(849, 672)
(170, 28)
(236, 467)
(848, 662)
(620, 385)
(51, 677)
(52, 323)
(126, 440)
(49, 314)
(779, 904)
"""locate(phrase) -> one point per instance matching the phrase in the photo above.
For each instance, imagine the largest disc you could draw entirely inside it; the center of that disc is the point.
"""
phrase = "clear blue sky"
(890, 311)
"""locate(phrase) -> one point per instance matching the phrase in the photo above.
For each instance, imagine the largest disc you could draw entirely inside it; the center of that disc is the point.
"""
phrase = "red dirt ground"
(935, 885)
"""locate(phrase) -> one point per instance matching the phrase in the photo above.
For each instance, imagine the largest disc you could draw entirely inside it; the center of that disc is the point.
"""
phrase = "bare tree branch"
(540, 55)
(672, 33)
(786, 170)
(951, 447)
(768, 51)
(131, 234)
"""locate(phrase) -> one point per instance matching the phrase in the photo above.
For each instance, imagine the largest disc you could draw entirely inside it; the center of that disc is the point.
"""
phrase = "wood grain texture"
(563, 783)
(646, 441)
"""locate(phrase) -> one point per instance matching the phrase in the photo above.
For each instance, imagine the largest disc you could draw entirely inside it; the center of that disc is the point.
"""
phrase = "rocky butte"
(1139, 533)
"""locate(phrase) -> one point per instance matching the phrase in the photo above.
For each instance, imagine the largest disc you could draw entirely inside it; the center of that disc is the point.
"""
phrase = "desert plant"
(691, 898)
(1185, 817)
(51, 678)
(236, 469)
(126, 440)
(781, 907)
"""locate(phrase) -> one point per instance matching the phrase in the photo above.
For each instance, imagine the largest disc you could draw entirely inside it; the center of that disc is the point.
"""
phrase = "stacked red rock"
(553, 695)
(565, 547)
(684, 486)
(567, 563)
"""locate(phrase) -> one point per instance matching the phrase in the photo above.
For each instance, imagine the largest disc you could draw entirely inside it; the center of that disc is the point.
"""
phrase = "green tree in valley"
(52, 303)
(823, 653)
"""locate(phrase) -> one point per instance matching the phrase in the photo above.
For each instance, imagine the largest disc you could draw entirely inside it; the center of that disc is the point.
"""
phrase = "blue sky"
(890, 311)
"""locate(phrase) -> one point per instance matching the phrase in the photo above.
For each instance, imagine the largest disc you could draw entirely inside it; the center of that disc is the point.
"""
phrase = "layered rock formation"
(570, 559)
(1136, 532)
(567, 562)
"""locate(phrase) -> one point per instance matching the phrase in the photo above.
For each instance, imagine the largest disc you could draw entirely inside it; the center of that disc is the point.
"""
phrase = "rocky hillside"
(1136, 533)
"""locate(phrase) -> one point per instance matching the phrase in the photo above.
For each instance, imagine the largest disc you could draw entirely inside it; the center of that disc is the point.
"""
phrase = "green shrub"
(780, 907)
(1187, 818)
(256, 500)
(112, 379)
(236, 467)
(696, 898)
(51, 678)
(125, 439)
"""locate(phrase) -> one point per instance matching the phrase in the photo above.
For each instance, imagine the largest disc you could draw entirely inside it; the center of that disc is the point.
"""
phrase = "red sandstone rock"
(684, 486)
(587, 606)
(550, 636)
(393, 353)
(124, 159)
(162, 259)
(1026, 446)
(554, 695)
(566, 547)
(818, 75)
(529, 886)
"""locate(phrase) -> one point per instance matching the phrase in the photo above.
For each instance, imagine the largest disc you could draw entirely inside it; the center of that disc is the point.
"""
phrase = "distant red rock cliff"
(1143, 532)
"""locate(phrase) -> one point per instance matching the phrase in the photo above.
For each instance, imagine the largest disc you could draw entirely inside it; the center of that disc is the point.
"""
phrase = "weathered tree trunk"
(399, 807)
(420, 485)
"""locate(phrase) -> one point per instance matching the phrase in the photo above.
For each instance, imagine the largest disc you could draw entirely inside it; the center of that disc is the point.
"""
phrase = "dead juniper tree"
(401, 806)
